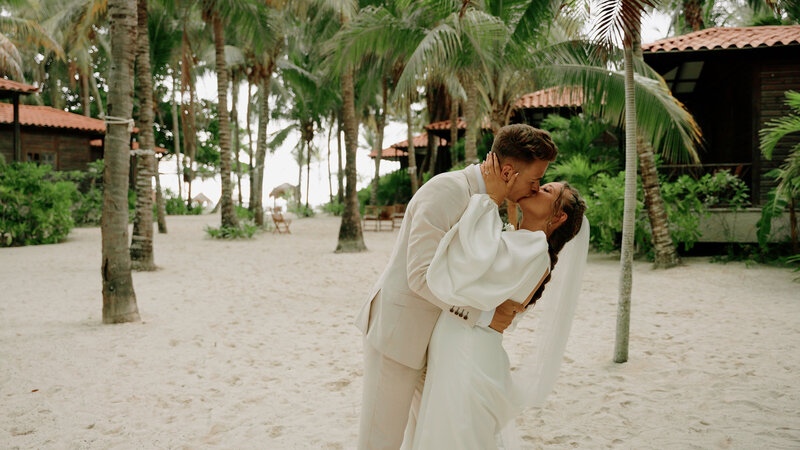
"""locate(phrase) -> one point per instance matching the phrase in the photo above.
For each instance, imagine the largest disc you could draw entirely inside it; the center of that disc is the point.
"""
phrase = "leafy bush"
(303, 211)
(723, 189)
(33, 210)
(244, 213)
(393, 188)
(335, 208)
(681, 199)
(176, 206)
(243, 231)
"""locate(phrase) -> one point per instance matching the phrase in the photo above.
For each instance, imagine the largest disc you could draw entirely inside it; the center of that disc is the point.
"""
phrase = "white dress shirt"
(485, 318)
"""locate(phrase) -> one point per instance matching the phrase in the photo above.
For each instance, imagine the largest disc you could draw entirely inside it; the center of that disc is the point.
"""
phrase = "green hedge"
(33, 209)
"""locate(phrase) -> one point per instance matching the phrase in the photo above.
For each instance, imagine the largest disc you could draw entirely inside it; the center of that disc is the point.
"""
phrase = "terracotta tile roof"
(134, 146)
(401, 148)
(551, 97)
(14, 86)
(725, 38)
(461, 124)
(45, 116)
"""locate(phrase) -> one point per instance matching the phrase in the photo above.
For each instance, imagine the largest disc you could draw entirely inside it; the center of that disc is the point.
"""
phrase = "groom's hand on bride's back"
(504, 314)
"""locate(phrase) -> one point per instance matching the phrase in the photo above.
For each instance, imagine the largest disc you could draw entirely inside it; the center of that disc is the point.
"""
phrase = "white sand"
(249, 344)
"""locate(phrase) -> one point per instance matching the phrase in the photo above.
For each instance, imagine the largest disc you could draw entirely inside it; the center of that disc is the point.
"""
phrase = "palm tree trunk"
(351, 238)
(330, 184)
(188, 113)
(693, 14)
(251, 156)
(412, 153)
(298, 192)
(235, 120)
(433, 150)
(471, 117)
(261, 147)
(161, 207)
(340, 172)
(793, 225)
(308, 170)
(380, 124)
(666, 255)
(142, 239)
(177, 132)
(97, 98)
(119, 298)
(453, 132)
(226, 202)
(85, 102)
(628, 216)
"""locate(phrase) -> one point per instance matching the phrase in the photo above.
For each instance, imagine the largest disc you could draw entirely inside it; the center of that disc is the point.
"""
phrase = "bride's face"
(539, 207)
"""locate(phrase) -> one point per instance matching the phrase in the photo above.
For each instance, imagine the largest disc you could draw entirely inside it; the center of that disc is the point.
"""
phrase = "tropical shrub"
(334, 208)
(302, 211)
(393, 188)
(33, 209)
(243, 231)
(176, 206)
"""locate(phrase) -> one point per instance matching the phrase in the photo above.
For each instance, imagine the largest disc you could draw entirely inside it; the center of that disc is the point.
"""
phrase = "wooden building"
(399, 152)
(733, 81)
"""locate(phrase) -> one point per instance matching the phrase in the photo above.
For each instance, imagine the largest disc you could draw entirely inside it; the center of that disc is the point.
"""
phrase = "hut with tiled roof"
(733, 82)
(399, 152)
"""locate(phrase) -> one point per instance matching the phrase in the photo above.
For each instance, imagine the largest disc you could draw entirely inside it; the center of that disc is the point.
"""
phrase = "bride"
(469, 395)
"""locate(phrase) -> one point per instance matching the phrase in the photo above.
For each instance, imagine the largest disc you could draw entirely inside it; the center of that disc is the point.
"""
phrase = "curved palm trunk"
(161, 207)
(453, 131)
(340, 172)
(412, 153)
(471, 117)
(177, 133)
(250, 155)
(235, 120)
(380, 124)
(666, 255)
(119, 298)
(350, 237)
(261, 149)
(226, 202)
(628, 216)
(142, 239)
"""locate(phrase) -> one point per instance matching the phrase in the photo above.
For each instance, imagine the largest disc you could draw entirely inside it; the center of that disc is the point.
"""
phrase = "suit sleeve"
(478, 265)
(432, 214)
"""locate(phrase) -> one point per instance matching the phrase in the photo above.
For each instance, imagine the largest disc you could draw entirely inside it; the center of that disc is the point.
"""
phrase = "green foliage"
(303, 211)
(243, 231)
(176, 206)
(579, 171)
(582, 135)
(723, 189)
(335, 208)
(87, 202)
(604, 204)
(244, 213)
(33, 210)
(393, 188)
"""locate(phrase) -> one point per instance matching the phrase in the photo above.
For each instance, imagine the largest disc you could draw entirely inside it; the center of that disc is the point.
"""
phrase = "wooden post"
(17, 143)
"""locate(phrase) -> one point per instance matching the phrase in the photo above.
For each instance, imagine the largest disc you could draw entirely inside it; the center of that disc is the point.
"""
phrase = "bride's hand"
(496, 187)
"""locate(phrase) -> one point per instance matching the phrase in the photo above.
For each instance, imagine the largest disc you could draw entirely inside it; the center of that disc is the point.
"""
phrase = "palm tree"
(142, 239)
(18, 34)
(213, 11)
(788, 175)
(622, 18)
(119, 298)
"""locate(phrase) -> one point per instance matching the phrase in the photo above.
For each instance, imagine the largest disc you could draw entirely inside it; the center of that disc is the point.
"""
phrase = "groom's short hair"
(524, 143)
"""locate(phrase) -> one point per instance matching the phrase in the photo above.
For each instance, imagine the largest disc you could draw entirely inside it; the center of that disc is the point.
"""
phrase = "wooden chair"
(385, 215)
(281, 223)
(398, 214)
(371, 214)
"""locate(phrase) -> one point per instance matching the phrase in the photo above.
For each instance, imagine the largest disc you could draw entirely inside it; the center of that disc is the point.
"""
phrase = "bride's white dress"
(468, 394)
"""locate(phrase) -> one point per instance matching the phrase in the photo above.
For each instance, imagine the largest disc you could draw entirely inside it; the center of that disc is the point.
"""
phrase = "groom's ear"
(506, 170)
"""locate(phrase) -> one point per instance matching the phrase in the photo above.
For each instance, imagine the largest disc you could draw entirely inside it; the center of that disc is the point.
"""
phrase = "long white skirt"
(467, 397)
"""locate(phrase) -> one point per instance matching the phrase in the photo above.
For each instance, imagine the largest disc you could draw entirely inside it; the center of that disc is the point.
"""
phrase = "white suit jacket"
(403, 307)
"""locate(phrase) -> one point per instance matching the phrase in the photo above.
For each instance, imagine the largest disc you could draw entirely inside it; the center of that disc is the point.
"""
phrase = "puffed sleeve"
(478, 265)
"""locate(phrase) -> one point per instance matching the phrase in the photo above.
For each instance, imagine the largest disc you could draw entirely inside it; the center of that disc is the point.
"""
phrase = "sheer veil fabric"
(538, 371)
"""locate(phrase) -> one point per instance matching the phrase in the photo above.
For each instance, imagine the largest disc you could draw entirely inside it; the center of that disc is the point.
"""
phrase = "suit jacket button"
(452, 308)
(466, 316)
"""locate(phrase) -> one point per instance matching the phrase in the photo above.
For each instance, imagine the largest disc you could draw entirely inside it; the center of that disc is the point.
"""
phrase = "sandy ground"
(249, 344)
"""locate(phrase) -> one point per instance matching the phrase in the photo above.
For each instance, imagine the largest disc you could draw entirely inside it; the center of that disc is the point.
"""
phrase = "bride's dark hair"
(574, 206)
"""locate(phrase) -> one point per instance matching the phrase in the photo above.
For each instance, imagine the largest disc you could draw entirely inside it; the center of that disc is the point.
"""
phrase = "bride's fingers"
(495, 164)
(511, 181)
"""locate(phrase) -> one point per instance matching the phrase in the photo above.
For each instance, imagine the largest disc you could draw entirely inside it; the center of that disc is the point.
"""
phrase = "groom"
(398, 318)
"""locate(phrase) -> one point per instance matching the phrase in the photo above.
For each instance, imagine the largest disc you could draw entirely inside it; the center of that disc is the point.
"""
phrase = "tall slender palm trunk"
(177, 132)
(330, 184)
(471, 117)
(666, 254)
(261, 148)
(226, 202)
(85, 103)
(250, 155)
(412, 153)
(188, 113)
(453, 131)
(340, 172)
(380, 125)
(351, 238)
(308, 171)
(142, 239)
(161, 207)
(628, 216)
(119, 298)
(235, 120)
(97, 99)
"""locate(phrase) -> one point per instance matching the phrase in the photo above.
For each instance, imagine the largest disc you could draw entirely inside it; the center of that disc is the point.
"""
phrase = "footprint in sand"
(338, 385)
